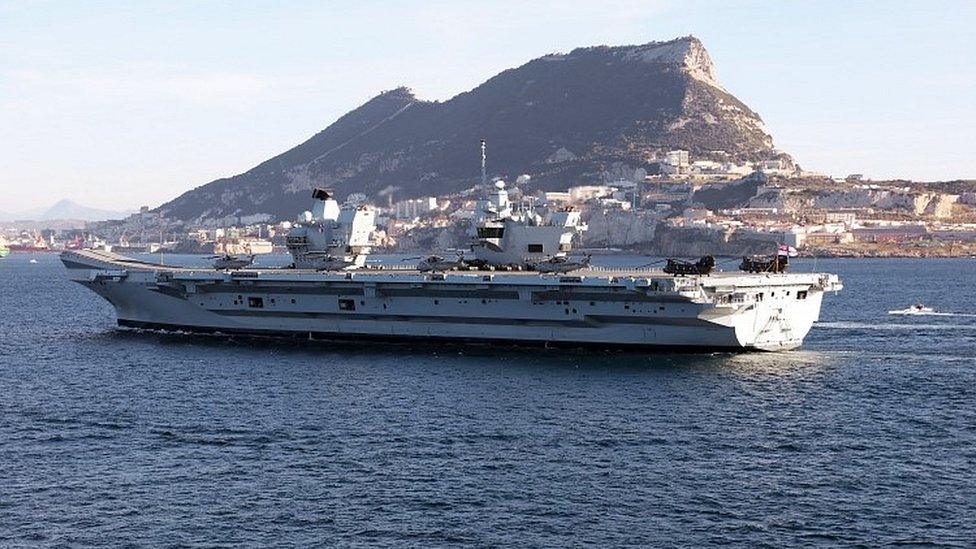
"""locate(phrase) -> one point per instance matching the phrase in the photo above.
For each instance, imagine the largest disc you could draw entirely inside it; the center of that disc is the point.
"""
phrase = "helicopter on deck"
(325, 261)
(561, 264)
(231, 262)
(436, 263)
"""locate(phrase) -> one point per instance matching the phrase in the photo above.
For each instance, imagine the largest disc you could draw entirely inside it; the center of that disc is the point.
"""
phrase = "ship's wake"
(934, 313)
(894, 327)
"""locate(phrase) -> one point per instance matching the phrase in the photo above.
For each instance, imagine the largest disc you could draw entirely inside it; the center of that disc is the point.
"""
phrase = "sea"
(864, 437)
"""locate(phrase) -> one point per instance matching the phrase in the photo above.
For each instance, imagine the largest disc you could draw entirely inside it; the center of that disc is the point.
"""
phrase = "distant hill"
(66, 209)
(564, 119)
(20, 215)
(63, 210)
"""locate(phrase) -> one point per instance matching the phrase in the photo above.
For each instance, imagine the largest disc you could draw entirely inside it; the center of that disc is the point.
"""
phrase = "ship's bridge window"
(535, 248)
(801, 294)
(490, 232)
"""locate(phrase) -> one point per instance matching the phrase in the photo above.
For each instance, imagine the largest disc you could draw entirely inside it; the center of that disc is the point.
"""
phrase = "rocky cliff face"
(564, 119)
(899, 200)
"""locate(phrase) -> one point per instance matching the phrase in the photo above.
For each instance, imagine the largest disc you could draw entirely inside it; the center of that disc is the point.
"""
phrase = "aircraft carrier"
(516, 284)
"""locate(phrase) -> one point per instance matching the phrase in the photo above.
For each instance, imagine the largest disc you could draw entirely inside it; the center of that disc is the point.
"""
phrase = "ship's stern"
(774, 318)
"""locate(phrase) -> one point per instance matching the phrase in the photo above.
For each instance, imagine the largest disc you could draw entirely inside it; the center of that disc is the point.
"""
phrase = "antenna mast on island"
(484, 158)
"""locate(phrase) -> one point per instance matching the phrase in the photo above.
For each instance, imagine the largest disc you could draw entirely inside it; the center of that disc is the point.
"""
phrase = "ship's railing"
(410, 266)
(391, 266)
(608, 269)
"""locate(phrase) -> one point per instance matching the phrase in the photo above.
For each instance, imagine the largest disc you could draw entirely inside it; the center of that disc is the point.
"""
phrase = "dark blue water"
(866, 436)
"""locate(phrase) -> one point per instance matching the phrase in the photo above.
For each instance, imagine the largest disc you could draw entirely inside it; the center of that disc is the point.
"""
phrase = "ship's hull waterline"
(589, 308)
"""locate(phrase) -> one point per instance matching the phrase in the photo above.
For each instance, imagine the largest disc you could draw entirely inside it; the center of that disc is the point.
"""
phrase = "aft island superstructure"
(517, 285)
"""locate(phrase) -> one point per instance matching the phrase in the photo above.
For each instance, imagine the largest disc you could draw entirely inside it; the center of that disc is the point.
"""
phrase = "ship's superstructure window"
(801, 294)
(535, 248)
(490, 232)
(255, 302)
(347, 304)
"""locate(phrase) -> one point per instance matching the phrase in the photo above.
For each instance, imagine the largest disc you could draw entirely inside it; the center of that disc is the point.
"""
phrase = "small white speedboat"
(916, 309)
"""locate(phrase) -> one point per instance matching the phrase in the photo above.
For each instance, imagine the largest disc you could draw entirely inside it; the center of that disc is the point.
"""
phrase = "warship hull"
(594, 307)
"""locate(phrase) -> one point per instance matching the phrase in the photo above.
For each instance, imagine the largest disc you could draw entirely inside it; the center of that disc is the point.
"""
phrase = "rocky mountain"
(564, 119)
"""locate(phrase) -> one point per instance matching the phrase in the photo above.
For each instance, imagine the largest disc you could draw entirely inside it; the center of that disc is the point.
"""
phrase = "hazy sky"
(118, 104)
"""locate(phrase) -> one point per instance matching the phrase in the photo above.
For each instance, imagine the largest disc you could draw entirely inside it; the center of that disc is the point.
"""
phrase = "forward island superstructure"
(515, 285)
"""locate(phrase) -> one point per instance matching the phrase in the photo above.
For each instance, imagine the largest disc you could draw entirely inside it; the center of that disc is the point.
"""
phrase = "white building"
(589, 192)
(827, 233)
(706, 166)
(676, 158)
(776, 166)
(414, 207)
(846, 218)
(675, 162)
(557, 196)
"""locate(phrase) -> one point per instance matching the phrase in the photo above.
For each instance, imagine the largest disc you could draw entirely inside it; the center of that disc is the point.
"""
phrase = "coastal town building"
(414, 207)
(712, 204)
